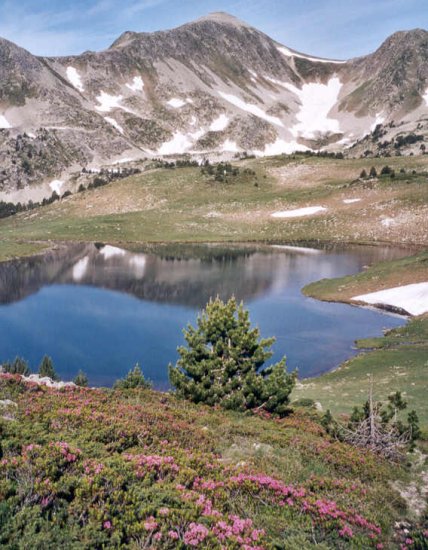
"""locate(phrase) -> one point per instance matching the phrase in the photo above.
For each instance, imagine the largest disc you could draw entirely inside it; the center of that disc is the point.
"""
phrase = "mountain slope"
(215, 85)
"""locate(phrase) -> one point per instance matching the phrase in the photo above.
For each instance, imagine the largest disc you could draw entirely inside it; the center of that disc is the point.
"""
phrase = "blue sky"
(328, 28)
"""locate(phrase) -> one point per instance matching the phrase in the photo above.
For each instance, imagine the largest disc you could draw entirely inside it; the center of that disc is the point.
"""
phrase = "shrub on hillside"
(222, 363)
(377, 426)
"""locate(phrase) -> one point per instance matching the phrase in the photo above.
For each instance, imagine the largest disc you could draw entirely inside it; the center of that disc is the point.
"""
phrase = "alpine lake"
(102, 309)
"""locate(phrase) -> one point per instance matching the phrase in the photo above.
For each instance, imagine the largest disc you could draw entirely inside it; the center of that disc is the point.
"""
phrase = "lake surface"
(102, 309)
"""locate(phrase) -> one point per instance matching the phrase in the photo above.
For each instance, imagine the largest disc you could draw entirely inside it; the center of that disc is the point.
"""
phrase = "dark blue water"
(102, 309)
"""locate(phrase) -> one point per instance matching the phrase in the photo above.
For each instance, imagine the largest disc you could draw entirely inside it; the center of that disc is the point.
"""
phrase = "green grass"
(399, 363)
(183, 205)
(414, 333)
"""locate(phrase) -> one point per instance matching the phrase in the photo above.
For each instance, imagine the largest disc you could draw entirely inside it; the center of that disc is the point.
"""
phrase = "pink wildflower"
(346, 531)
(195, 534)
(150, 524)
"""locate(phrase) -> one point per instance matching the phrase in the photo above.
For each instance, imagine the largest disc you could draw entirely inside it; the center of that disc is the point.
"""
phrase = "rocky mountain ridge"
(215, 86)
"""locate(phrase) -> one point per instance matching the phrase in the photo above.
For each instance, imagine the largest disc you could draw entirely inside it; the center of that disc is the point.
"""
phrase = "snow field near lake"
(296, 213)
(250, 108)
(412, 298)
(75, 79)
(289, 53)
(136, 85)
(4, 123)
(316, 101)
(114, 123)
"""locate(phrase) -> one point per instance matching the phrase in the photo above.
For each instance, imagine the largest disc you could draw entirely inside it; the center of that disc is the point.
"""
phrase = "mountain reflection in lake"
(102, 309)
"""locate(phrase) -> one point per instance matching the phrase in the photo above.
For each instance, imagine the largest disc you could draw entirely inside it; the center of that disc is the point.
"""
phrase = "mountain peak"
(222, 17)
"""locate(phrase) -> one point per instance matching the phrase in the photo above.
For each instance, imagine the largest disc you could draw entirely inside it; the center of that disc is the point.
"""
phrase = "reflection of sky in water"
(84, 313)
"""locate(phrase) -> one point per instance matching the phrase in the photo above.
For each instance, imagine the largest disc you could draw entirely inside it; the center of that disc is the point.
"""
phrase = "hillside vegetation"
(91, 468)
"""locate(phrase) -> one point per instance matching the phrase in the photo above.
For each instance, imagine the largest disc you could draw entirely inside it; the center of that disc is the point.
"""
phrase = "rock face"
(213, 85)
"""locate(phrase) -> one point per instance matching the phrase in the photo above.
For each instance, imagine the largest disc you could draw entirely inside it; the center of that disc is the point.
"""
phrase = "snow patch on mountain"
(176, 103)
(179, 144)
(279, 147)
(75, 79)
(229, 146)
(108, 102)
(250, 108)
(136, 85)
(425, 96)
(4, 123)
(316, 101)
(350, 201)
(378, 120)
(198, 134)
(289, 53)
(56, 186)
(114, 123)
(219, 124)
(275, 81)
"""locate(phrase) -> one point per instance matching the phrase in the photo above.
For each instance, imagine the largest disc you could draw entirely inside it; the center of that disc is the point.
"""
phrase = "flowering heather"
(139, 469)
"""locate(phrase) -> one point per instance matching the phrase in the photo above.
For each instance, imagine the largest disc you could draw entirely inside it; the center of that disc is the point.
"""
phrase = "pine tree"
(373, 172)
(81, 379)
(134, 379)
(222, 363)
(19, 366)
(46, 368)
